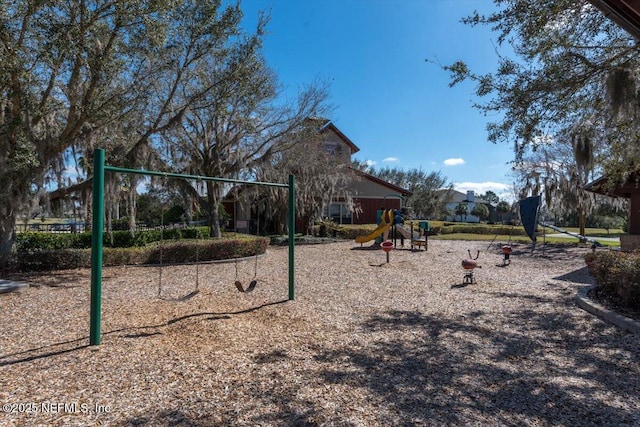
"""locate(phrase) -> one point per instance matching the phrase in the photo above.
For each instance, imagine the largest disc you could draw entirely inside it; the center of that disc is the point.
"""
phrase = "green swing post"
(292, 230)
(97, 225)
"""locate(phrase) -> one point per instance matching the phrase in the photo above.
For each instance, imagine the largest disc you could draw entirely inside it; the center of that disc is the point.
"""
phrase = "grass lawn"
(589, 232)
(567, 240)
(517, 239)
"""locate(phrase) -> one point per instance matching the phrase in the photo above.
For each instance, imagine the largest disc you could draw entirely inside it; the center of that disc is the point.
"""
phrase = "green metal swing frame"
(97, 228)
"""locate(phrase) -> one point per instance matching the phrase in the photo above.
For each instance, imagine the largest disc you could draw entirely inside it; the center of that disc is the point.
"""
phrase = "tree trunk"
(133, 195)
(87, 204)
(305, 219)
(211, 206)
(7, 236)
(582, 220)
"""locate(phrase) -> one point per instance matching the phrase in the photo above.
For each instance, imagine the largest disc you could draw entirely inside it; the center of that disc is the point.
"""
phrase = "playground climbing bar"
(99, 169)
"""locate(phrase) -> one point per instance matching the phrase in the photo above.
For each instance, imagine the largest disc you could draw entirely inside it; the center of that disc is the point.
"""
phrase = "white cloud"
(370, 163)
(454, 161)
(391, 159)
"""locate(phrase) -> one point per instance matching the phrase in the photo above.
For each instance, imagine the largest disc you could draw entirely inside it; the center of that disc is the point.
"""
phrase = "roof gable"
(384, 183)
(328, 126)
(625, 13)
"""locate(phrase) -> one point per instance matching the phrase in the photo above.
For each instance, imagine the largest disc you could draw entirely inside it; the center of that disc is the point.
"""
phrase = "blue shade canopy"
(529, 215)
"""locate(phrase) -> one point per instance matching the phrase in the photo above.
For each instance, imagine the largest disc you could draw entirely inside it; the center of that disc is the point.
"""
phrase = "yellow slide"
(383, 228)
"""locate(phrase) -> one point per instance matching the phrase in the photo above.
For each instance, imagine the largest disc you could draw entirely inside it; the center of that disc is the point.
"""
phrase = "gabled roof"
(603, 186)
(327, 125)
(625, 13)
(384, 183)
(61, 193)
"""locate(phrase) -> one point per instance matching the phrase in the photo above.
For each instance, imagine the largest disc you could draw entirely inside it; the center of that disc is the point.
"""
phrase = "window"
(333, 149)
(338, 212)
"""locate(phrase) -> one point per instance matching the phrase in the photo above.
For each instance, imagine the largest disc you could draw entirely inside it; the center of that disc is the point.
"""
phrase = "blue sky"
(396, 107)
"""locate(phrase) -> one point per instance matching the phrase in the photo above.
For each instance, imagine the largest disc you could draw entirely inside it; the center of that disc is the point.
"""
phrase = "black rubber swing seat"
(251, 287)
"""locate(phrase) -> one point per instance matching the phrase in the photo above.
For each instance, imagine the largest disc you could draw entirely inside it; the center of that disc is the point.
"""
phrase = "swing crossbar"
(99, 169)
(193, 177)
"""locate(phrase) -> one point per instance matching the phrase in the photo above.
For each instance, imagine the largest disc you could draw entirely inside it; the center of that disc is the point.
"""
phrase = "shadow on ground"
(437, 370)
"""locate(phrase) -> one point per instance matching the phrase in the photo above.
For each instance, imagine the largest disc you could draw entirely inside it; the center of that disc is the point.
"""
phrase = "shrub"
(618, 275)
(124, 256)
(116, 239)
(209, 250)
(332, 229)
(449, 228)
(121, 224)
(51, 259)
(322, 230)
(179, 251)
(36, 241)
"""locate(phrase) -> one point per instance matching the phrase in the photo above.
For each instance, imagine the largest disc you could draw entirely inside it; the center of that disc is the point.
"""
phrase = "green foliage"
(503, 208)
(120, 224)
(347, 232)
(481, 211)
(149, 208)
(618, 274)
(120, 53)
(123, 256)
(30, 241)
(427, 199)
(117, 239)
(50, 259)
(607, 222)
(451, 228)
(177, 251)
(566, 93)
(206, 250)
(490, 197)
(175, 214)
(462, 209)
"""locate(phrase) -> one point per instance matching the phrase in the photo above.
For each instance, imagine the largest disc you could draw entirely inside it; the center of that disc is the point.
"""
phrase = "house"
(369, 193)
(457, 197)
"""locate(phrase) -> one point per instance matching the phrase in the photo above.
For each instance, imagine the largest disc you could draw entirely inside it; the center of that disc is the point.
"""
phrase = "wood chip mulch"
(364, 343)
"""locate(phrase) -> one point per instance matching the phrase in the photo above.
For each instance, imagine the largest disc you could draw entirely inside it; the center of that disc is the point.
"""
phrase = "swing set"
(100, 168)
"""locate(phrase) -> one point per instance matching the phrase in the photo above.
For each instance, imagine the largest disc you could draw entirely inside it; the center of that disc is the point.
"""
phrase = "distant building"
(457, 197)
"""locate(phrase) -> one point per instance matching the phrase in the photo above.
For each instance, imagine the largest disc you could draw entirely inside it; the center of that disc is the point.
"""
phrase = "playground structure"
(418, 238)
(386, 221)
(390, 226)
(98, 225)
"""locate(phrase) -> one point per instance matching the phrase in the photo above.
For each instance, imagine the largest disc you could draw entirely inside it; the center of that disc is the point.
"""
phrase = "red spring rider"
(469, 265)
(506, 253)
